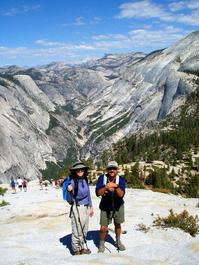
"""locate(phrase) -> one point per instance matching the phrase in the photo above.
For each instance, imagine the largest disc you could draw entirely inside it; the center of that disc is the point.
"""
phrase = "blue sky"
(34, 32)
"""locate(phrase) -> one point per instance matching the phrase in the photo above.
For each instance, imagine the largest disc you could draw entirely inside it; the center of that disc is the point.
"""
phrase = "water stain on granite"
(195, 247)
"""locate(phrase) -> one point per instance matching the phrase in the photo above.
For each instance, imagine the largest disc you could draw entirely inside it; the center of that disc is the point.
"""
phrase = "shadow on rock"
(94, 235)
(91, 235)
(66, 241)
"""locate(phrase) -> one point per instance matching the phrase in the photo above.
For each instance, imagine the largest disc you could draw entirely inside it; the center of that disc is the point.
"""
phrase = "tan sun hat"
(79, 165)
(111, 164)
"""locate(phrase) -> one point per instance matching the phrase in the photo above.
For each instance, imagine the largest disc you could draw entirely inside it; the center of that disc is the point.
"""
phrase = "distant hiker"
(56, 184)
(13, 184)
(24, 184)
(41, 183)
(81, 207)
(111, 188)
(19, 183)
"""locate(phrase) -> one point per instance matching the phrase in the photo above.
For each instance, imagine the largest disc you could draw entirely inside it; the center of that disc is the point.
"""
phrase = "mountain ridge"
(88, 107)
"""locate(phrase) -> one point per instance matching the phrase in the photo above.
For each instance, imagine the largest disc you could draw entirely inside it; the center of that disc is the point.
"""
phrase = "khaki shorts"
(106, 217)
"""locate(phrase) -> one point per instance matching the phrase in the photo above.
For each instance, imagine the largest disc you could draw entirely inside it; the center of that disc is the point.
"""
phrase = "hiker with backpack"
(81, 206)
(13, 184)
(111, 188)
(19, 183)
(24, 184)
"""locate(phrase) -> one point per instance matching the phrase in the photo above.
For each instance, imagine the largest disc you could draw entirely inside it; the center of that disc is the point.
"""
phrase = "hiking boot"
(85, 251)
(77, 253)
(120, 246)
(101, 249)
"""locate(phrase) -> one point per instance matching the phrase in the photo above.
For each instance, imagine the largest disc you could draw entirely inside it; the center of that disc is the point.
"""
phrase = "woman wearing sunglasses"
(81, 207)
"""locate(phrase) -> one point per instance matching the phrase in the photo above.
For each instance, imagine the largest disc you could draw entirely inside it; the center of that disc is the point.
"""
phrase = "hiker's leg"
(104, 222)
(118, 230)
(87, 221)
(77, 240)
(84, 218)
(84, 215)
(118, 219)
(103, 231)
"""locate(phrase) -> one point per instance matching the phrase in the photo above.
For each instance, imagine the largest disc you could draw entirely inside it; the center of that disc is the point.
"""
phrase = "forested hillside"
(175, 142)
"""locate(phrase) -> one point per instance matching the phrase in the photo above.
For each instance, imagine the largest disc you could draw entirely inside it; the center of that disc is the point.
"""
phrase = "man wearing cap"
(111, 188)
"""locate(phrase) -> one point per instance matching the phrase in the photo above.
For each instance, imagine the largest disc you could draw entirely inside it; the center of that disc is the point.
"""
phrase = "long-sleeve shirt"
(83, 192)
(110, 200)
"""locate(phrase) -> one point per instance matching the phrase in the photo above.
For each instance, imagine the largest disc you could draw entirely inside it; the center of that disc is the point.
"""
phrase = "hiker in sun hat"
(81, 207)
(111, 188)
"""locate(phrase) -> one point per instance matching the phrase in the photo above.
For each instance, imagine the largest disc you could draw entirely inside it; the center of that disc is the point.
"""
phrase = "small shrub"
(3, 191)
(52, 124)
(4, 203)
(143, 227)
(184, 221)
(161, 190)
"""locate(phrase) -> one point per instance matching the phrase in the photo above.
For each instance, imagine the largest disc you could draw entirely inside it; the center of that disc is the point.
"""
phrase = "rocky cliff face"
(146, 90)
(51, 111)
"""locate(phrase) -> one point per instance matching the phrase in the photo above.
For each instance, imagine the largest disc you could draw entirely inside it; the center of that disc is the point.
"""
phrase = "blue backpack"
(67, 196)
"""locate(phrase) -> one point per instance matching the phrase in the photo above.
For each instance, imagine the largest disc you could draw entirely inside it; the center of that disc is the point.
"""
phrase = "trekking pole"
(78, 216)
(113, 212)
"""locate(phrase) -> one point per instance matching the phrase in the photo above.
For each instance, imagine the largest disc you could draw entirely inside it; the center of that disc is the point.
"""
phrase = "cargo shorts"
(117, 216)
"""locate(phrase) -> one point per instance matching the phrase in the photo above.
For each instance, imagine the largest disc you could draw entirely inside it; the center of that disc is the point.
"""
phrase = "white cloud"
(175, 6)
(64, 45)
(95, 20)
(193, 4)
(52, 51)
(140, 39)
(79, 21)
(109, 37)
(84, 47)
(45, 42)
(144, 9)
(149, 10)
(192, 19)
(19, 10)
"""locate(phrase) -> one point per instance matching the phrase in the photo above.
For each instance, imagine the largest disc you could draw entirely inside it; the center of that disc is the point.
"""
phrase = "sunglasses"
(112, 168)
(79, 170)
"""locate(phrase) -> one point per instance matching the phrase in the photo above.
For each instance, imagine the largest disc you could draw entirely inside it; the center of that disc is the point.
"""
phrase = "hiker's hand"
(70, 187)
(111, 186)
(91, 212)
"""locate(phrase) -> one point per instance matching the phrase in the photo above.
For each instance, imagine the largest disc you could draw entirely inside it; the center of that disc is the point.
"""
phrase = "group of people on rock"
(57, 183)
(111, 188)
(21, 183)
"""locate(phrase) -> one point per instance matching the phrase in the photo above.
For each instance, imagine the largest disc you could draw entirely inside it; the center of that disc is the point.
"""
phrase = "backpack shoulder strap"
(117, 181)
(75, 187)
(105, 179)
(64, 187)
